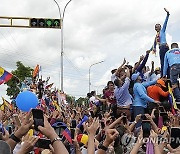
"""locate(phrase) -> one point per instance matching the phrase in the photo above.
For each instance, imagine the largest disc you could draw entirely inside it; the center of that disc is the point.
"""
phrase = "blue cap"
(135, 76)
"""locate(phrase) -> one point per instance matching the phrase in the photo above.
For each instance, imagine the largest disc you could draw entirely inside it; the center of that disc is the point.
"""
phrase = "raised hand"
(28, 144)
(166, 10)
(111, 135)
(124, 61)
(94, 126)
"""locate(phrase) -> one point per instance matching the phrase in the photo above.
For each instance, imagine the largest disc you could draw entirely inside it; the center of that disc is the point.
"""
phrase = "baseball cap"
(157, 69)
(135, 76)
(161, 82)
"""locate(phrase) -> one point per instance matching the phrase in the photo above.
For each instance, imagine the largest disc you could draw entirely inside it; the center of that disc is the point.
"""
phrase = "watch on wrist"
(14, 138)
(102, 147)
(56, 139)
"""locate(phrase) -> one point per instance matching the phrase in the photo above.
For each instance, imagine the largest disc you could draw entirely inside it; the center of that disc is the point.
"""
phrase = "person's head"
(117, 82)
(110, 85)
(136, 77)
(161, 83)
(93, 93)
(174, 45)
(113, 71)
(89, 95)
(157, 27)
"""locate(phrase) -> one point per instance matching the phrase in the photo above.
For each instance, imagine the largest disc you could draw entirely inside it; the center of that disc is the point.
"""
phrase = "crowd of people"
(138, 113)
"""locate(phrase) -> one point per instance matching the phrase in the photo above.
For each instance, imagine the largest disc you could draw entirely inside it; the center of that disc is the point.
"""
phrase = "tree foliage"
(19, 75)
(82, 101)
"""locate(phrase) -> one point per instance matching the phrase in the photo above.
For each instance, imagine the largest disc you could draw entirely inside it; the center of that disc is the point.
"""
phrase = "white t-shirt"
(113, 77)
(154, 77)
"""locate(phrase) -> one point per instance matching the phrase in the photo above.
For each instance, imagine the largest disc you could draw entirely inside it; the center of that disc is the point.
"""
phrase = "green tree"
(19, 75)
(70, 99)
(81, 101)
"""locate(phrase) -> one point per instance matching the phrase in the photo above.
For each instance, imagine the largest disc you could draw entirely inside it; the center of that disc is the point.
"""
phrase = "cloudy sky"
(94, 30)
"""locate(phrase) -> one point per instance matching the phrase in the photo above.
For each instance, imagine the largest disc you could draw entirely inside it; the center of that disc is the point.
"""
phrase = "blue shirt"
(122, 94)
(162, 33)
(140, 94)
(171, 57)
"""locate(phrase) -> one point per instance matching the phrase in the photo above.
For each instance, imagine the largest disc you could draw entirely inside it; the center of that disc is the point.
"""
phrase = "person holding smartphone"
(46, 130)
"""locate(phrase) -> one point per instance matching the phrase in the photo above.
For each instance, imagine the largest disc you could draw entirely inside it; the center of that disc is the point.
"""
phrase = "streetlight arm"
(96, 63)
(58, 8)
(90, 73)
(65, 8)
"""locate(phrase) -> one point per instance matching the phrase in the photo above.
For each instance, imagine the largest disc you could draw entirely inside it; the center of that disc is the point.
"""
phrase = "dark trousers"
(174, 74)
(162, 51)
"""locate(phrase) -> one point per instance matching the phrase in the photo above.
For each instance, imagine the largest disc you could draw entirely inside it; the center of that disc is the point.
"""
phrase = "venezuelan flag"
(4, 76)
(172, 100)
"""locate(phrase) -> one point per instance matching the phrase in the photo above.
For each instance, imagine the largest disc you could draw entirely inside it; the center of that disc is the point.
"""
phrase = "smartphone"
(100, 116)
(43, 143)
(161, 109)
(38, 118)
(165, 117)
(113, 118)
(102, 125)
(2, 129)
(146, 127)
(73, 123)
(124, 118)
(92, 114)
(10, 130)
(143, 117)
(74, 112)
(175, 135)
(72, 133)
(163, 114)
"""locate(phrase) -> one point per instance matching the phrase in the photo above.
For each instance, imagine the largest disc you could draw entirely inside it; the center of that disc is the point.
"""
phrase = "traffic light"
(44, 23)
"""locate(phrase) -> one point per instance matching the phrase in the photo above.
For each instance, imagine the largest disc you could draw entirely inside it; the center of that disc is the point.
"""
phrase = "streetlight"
(90, 74)
(62, 38)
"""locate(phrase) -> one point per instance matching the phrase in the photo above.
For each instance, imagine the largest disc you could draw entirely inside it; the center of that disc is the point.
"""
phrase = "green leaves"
(13, 85)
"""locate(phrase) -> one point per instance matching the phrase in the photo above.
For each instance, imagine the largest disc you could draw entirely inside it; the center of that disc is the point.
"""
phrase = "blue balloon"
(26, 100)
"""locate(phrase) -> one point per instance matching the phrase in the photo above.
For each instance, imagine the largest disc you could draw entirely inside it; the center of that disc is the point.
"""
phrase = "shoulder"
(137, 85)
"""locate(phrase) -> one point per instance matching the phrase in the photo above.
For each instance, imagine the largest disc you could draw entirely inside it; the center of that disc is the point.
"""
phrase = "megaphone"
(85, 118)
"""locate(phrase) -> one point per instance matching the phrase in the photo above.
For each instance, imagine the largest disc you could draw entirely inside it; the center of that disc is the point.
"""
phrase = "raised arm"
(91, 136)
(166, 20)
(120, 67)
(138, 63)
(141, 66)
(152, 68)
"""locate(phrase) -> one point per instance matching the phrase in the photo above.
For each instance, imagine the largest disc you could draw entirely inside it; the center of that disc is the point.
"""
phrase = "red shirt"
(110, 96)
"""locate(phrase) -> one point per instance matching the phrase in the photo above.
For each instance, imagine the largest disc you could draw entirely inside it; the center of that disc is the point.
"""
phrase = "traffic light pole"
(62, 39)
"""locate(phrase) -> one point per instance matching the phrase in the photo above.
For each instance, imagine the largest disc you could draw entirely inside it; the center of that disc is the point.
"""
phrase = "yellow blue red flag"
(4, 76)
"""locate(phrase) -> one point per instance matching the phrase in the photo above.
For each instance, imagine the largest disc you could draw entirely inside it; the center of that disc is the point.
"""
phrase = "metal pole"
(62, 38)
(90, 73)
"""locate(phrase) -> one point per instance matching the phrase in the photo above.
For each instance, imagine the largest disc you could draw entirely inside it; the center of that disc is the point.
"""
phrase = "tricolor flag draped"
(172, 99)
(4, 76)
